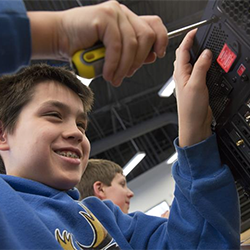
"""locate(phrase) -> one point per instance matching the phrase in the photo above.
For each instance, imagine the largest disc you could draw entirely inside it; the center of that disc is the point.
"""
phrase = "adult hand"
(194, 112)
(128, 38)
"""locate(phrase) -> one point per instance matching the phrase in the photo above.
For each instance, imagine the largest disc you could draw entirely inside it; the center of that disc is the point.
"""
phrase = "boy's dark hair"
(17, 90)
(97, 170)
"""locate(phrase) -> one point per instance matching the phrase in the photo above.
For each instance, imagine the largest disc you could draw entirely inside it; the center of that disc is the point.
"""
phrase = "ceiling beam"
(133, 132)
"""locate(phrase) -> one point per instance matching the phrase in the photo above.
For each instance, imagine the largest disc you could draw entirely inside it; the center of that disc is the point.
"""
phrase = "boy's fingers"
(183, 68)
(201, 67)
(188, 39)
(182, 53)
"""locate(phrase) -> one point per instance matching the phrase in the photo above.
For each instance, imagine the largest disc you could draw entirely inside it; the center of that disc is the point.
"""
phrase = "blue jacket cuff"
(199, 160)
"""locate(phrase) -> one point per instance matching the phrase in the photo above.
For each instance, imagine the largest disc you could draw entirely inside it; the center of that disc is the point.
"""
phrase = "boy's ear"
(3, 139)
(99, 190)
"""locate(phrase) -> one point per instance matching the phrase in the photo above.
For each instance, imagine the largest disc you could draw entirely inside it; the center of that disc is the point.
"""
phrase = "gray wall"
(152, 187)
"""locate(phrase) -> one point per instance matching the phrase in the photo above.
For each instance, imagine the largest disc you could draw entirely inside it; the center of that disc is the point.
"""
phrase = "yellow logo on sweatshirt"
(101, 238)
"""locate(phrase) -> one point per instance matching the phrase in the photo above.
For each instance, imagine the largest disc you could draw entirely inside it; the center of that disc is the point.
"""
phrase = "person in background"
(105, 180)
(130, 40)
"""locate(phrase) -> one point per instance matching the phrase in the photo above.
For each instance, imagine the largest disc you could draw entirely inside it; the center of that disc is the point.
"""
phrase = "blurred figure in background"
(105, 180)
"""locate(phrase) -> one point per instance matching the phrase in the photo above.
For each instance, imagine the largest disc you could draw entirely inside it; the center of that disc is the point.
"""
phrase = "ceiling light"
(84, 81)
(172, 158)
(133, 162)
(168, 89)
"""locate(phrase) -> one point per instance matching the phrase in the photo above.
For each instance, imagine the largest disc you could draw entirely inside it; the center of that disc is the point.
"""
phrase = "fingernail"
(108, 77)
(207, 54)
(117, 82)
(163, 53)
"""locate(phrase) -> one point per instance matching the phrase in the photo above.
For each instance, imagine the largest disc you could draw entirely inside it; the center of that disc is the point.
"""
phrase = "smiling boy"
(60, 151)
(45, 151)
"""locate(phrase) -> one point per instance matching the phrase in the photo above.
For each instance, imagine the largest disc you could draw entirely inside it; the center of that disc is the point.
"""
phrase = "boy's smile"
(49, 144)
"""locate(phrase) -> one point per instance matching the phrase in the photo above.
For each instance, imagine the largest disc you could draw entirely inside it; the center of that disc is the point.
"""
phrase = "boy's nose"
(130, 193)
(73, 132)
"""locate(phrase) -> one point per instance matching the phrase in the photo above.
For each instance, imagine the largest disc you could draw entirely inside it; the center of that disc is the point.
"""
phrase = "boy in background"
(45, 151)
(105, 180)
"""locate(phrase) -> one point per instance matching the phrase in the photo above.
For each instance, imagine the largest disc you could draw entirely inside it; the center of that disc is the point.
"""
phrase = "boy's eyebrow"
(60, 105)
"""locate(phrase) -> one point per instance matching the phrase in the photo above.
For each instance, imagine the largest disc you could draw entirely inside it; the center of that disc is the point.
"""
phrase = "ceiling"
(133, 117)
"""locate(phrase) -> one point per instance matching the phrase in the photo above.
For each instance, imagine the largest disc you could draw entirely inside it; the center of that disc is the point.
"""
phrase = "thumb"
(202, 66)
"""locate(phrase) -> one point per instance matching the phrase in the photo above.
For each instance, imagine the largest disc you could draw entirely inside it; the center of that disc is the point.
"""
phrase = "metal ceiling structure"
(133, 116)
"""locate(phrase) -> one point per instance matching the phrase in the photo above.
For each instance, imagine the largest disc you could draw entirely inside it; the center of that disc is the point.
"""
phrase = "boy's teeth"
(67, 154)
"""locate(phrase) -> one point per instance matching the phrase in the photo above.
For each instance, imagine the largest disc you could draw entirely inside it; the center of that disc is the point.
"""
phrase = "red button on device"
(241, 70)
(226, 58)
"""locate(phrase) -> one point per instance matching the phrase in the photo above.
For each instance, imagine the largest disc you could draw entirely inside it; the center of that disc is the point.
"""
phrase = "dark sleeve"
(15, 37)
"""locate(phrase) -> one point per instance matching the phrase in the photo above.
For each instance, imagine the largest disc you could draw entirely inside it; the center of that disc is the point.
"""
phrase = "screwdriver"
(88, 63)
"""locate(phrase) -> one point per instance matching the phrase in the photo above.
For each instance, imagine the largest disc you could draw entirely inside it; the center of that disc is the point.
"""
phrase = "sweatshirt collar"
(32, 187)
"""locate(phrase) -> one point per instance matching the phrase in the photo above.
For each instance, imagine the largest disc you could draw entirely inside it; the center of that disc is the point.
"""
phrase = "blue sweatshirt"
(15, 38)
(204, 213)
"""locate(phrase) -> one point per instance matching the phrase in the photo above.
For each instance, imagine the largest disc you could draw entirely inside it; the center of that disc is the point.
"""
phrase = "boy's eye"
(82, 126)
(123, 184)
(54, 114)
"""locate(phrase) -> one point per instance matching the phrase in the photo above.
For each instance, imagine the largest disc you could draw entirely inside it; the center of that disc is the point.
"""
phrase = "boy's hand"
(128, 38)
(194, 113)
(165, 214)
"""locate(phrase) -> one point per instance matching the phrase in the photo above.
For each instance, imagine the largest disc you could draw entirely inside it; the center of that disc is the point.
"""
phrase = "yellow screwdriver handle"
(89, 63)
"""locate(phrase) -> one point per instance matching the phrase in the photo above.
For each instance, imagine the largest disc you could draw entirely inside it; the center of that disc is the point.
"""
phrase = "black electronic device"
(228, 80)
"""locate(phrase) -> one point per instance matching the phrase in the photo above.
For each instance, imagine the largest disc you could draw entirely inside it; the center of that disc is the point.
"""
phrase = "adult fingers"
(120, 48)
(129, 48)
(84, 26)
(145, 37)
(161, 38)
(149, 30)
(152, 39)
